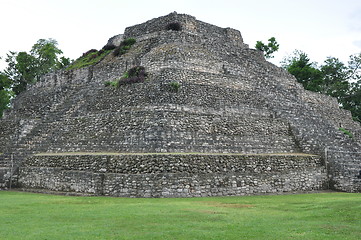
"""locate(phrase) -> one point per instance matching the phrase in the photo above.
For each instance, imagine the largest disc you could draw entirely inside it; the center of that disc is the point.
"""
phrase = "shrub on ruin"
(134, 75)
(124, 47)
(174, 26)
(129, 41)
(111, 83)
(109, 47)
(346, 132)
(90, 52)
(136, 71)
(174, 86)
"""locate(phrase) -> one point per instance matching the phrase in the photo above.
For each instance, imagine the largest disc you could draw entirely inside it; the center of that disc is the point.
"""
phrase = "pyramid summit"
(176, 107)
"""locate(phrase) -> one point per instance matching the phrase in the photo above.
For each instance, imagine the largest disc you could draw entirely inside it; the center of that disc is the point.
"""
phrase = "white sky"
(320, 28)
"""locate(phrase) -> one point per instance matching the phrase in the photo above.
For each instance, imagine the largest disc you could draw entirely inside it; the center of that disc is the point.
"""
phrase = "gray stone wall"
(230, 100)
(163, 175)
(189, 24)
(148, 117)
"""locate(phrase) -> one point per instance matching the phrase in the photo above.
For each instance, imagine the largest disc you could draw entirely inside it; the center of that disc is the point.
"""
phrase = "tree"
(305, 71)
(24, 68)
(352, 101)
(332, 78)
(335, 78)
(21, 70)
(5, 93)
(46, 54)
(268, 49)
(354, 68)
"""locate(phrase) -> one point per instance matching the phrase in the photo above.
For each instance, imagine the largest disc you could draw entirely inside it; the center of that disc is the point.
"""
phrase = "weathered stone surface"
(230, 100)
(115, 40)
(174, 175)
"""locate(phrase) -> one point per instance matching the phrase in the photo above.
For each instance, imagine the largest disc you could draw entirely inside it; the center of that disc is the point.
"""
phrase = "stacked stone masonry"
(230, 100)
(173, 175)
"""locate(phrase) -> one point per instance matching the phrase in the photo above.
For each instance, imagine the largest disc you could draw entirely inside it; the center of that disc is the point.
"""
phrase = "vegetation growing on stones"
(111, 83)
(134, 75)
(174, 26)
(348, 133)
(124, 47)
(89, 58)
(174, 86)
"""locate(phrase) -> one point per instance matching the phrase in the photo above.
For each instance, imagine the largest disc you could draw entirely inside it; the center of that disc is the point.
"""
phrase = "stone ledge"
(166, 163)
(166, 153)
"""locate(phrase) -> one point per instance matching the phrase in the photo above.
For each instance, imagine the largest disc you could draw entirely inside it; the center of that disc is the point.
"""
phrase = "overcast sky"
(320, 28)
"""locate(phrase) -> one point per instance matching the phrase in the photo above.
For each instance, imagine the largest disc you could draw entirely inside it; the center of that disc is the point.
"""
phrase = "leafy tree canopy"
(333, 78)
(26, 68)
(5, 93)
(268, 49)
(305, 71)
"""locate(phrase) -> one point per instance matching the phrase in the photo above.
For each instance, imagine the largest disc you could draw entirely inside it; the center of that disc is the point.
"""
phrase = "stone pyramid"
(209, 117)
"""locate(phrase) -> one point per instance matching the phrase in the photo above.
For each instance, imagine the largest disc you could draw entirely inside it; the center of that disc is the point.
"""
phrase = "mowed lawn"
(299, 216)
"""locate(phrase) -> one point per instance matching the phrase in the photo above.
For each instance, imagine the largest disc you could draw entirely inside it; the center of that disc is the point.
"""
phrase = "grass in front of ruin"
(300, 216)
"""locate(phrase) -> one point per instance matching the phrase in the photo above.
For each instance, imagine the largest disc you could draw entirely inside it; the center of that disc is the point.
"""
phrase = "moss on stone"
(89, 58)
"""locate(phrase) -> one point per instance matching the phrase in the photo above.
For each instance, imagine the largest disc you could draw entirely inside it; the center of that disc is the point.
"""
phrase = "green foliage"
(109, 47)
(348, 133)
(125, 75)
(64, 62)
(22, 69)
(335, 78)
(46, 53)
(136, 74)
(135, 71)
(5, 93)
(124, 47)
(111, 83)
(332, 78)
(268, 49)
(129, 42)
(295, 216)
(354, 68)
(306, 73)
(174, 86)
(26, 68)
(89, 58)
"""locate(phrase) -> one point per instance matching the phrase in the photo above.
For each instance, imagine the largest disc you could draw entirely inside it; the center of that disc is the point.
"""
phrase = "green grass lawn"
(304, 216)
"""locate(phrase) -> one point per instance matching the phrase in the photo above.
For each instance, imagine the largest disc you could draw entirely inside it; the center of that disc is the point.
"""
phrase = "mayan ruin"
(177, 107)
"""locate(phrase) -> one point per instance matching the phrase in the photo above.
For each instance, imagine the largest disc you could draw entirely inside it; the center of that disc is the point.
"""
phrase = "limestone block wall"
(230, 100)
(189, 24)
(347, 175)
(184, 56)
(150, 130)
(149, 117)
(169, 175)
(330, 110)
(7, 129)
